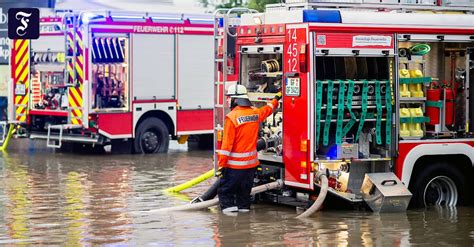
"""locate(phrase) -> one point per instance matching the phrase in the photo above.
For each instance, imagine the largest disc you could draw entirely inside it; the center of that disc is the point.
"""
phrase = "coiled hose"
(420, 49)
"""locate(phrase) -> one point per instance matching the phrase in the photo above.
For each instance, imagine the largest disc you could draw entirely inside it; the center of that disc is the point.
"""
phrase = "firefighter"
(238, 153)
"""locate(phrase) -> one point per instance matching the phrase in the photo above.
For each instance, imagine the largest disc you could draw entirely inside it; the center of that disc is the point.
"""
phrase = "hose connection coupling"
(318, 174)
(196, 200)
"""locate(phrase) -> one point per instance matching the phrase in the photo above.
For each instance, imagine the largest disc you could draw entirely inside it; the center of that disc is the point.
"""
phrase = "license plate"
(292, 87)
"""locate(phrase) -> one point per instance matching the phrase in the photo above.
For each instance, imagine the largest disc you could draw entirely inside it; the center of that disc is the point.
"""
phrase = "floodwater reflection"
(75, 200)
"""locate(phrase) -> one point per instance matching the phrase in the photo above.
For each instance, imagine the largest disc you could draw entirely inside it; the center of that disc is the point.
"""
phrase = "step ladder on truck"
(73, 52)
(92, 82)
(342, 113)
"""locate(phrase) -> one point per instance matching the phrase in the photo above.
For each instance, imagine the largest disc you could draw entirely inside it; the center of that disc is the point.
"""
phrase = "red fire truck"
(127, 79)
(368, 89)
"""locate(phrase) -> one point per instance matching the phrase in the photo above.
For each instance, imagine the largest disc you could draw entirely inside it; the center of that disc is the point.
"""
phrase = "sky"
(175, 6)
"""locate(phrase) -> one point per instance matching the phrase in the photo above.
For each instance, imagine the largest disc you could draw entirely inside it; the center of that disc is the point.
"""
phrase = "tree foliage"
(230, 4)
(252, 4)
(260, 4)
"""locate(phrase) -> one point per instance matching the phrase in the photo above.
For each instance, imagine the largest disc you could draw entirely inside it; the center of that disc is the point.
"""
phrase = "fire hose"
(209, 203)
(191, 182)
(262, 144)
(11, 129)
(319, 201)
(208, 199)
(258, 189)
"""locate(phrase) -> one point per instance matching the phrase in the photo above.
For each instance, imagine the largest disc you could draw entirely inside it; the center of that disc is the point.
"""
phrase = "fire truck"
(375, 96)
(131, 80)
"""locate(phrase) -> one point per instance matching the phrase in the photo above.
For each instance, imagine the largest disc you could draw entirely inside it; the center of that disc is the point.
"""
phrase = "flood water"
(64, 199)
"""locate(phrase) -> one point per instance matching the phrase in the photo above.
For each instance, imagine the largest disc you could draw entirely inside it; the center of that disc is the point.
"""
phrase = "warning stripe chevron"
(20, 71)
(75, 93)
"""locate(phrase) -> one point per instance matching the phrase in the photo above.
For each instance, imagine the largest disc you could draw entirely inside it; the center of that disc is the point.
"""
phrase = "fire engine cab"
(375, 96)
(127, 79)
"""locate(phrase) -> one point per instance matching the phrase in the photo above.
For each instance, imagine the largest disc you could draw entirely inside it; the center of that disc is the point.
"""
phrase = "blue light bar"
(324, 16)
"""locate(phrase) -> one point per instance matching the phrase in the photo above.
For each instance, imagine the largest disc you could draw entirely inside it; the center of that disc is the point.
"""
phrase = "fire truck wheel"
(152, 136)
(439, 184)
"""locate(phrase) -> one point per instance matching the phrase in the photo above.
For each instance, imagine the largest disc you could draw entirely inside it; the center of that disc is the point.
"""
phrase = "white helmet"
(239, 93)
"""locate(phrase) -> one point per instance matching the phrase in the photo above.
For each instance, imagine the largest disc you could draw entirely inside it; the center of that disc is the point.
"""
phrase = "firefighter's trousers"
(235, 187)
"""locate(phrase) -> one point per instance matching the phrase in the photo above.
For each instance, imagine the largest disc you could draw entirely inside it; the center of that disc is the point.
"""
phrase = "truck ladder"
(70, 24)
(224, 19)
(70, 28)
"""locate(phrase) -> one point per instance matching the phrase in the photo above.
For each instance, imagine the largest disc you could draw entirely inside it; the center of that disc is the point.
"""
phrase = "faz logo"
(23, 23)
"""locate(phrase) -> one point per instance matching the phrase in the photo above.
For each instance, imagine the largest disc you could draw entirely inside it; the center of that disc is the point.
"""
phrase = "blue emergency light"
(322, 16)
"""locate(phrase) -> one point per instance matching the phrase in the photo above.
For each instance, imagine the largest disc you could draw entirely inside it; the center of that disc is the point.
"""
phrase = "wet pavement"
(77, 199)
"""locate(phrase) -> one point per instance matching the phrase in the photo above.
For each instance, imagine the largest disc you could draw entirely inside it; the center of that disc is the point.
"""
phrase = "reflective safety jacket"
(239, 144)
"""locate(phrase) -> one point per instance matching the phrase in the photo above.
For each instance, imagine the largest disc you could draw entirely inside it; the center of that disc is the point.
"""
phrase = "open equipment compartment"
(354, 102)
(48, 91)
(436, 70)
(353, 108)
(110, 60)
(261, 74)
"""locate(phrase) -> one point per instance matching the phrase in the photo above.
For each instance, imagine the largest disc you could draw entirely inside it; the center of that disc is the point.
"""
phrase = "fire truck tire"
(439, 184)
(152, 136)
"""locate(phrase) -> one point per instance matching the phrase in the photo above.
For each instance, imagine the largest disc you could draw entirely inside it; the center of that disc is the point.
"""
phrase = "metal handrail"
(236, 10)
(368, 5)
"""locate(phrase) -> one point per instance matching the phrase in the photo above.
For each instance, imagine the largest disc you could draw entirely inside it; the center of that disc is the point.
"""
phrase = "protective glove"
(219, 172)
(278, 96)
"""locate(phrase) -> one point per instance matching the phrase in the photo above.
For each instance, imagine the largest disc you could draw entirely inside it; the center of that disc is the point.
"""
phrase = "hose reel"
(271, 65)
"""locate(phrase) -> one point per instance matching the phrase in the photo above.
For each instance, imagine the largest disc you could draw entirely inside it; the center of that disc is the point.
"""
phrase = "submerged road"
(78, 199)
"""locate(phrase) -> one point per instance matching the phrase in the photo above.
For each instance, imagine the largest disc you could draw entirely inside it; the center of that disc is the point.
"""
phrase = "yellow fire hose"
(212, 202)
(181, 197)
(7, 139)
(191, 182)
(215, 201)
